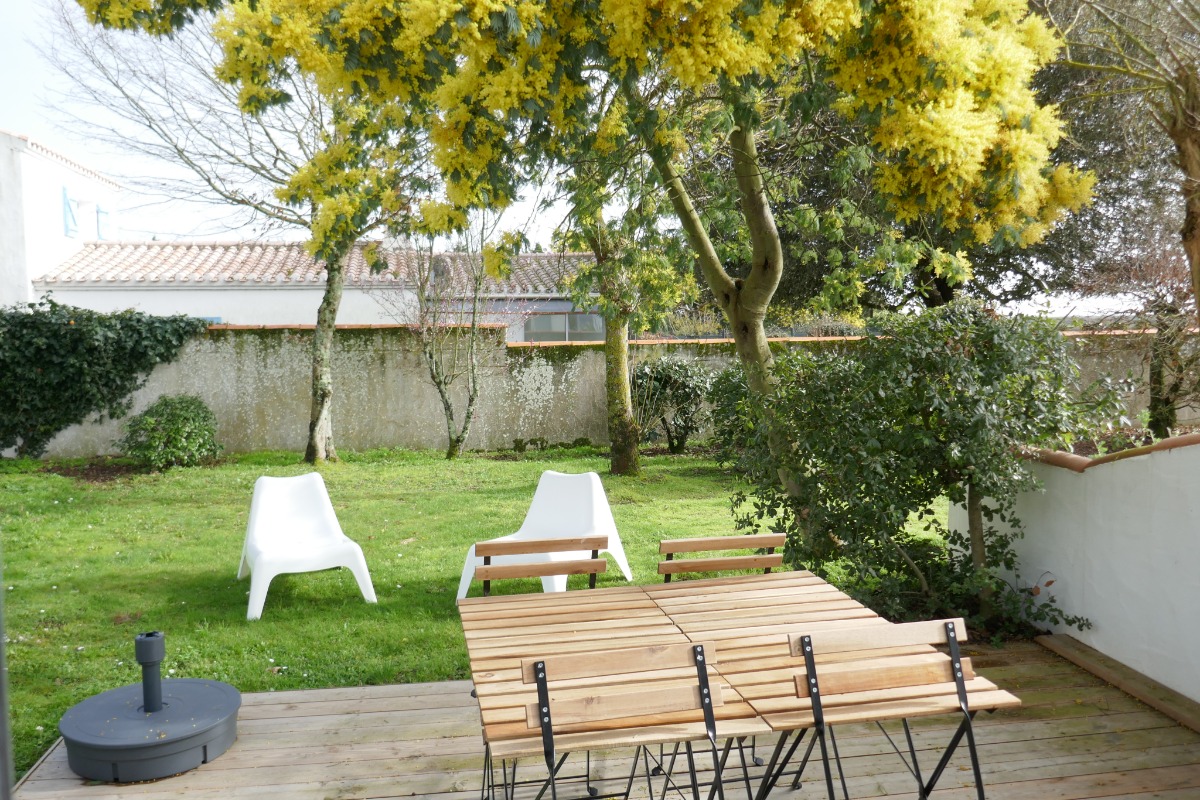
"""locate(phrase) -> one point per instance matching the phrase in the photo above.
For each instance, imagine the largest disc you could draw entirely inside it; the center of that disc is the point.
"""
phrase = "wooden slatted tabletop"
(751, 617)
(503, 631)
(748, 618)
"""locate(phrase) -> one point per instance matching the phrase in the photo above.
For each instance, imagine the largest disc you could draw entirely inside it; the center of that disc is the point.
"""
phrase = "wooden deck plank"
(1114, 748)
(1180, 708)
(1074, 738)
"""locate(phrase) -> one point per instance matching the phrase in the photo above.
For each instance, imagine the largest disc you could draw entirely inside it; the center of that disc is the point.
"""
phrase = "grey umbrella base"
(150, 730)
(110, 737)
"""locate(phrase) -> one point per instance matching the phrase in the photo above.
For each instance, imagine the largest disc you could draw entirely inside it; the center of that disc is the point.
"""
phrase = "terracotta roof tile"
(259, 263)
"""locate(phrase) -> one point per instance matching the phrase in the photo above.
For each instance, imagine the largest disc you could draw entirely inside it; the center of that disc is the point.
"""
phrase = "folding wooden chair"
(489, 572)
(756, 541)
(858, 681)
(710, 544)
(563, 507)
(607, 699)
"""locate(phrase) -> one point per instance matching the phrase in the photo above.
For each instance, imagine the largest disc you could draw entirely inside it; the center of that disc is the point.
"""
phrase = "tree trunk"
(1162, 400)
(978, 545)
(320, 422)
(1186, 136)
(744, 300)
(623, 431)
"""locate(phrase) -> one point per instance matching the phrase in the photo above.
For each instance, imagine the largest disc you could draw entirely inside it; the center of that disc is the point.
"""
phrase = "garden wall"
(256, 380)
(257, 383)
(1119, 538)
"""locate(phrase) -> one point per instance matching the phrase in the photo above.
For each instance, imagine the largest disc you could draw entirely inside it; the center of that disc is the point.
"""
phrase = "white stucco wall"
(1121, 541)
(231, 304)
(33, 236)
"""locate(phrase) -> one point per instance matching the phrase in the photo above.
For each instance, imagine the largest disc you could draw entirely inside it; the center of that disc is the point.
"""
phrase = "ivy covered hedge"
(61, 364)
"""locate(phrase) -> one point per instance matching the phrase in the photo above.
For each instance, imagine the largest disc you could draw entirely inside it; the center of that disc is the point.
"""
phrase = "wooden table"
(501, 631)
(748, 618)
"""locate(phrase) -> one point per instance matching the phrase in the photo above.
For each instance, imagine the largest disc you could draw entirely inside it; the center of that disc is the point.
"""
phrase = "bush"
(61, 364)
(937, 404)
(734, 433)
(669, 392)
(174, 431)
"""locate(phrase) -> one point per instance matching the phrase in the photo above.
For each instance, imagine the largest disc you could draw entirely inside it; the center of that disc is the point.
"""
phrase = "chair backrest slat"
(618, 662)
(518, 547)
(757, 541)
(720, 564)
(582, 566)
(874, 637)
(708, 543)
(870, 678)
(617, 703)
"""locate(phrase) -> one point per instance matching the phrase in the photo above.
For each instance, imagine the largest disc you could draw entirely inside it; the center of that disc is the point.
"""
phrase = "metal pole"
(7, 775)
(150, 649)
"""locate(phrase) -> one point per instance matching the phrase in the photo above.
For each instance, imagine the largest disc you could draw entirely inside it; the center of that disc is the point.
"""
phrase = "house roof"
(19, 141)
(247, 264)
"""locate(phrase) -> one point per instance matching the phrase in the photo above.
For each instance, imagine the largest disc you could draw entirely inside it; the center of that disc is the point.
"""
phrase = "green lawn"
(88, 566)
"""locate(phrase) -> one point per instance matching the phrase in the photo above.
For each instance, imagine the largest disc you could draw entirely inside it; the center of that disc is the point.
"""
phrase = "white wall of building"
(1121, 541)
(49, 206)
(14, 279)
(233, 305)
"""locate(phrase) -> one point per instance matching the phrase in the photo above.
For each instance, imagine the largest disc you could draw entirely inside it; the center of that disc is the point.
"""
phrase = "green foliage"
(61, 364)
(670, 391)
(925, 407)
(173, 431)
(734, 430)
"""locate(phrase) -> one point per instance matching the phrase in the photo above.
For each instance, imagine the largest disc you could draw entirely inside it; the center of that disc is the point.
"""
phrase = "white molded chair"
(293, 528)
(563, 506)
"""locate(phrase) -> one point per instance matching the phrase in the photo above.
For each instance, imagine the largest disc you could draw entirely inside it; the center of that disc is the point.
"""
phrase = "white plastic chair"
(563, 506)
(293, 528)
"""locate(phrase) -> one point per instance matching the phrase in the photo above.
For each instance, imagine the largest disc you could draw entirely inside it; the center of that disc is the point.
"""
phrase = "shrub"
(61, 364)
(936, 404)
(734, 433)
(669, 392)
(173, 431)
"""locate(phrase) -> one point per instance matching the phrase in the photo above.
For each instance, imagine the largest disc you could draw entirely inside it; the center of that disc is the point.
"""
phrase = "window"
(546, 328)
(585, 328)
(568, 327)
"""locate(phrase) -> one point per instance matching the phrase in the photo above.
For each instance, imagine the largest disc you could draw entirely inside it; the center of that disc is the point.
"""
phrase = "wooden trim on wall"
(1057, 458)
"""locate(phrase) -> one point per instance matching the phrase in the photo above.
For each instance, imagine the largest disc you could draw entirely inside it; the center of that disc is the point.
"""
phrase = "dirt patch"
(95, 470)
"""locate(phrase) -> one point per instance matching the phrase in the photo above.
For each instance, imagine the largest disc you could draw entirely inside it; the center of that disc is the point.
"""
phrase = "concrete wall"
(257, 383)
(1121, 540)
(14, 280)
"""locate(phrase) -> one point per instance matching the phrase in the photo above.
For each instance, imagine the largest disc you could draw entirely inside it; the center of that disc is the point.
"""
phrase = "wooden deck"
(1074, 738)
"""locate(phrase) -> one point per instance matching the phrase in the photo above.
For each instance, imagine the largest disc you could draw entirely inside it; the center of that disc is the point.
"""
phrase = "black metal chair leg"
(770, 778)
(946, 756)
(691, 762)
(812, 743)
(837, 758)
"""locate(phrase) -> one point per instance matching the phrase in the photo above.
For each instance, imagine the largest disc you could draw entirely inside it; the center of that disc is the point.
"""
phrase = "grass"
(87, 566)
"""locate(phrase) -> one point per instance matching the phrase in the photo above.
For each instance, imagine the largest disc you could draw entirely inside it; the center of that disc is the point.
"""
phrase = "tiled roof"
(532, 273)
(160, 264)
